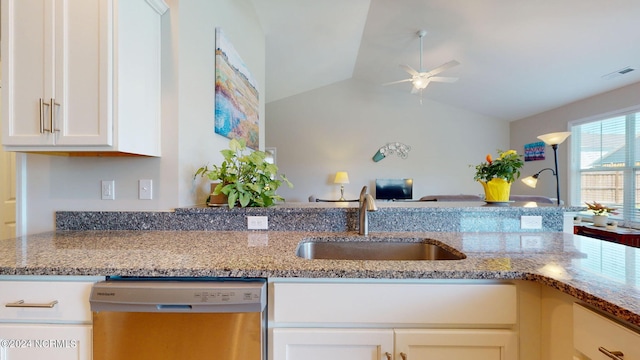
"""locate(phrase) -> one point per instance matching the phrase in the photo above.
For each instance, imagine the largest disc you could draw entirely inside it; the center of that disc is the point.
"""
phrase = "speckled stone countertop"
(573, 264)
(391, 216)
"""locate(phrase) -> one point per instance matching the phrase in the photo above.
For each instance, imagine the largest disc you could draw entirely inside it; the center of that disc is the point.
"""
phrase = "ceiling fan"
(421, 78)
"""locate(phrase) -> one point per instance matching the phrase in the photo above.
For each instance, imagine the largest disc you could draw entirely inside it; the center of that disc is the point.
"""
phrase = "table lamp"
(341, 178)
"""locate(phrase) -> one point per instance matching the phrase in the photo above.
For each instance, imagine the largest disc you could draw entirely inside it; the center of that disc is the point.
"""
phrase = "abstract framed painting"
(534, 151)
(237, 106)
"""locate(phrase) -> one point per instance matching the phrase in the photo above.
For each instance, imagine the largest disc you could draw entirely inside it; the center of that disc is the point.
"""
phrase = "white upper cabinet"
(81, 75)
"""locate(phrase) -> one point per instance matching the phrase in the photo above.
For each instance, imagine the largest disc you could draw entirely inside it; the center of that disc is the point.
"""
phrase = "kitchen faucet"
(366, 204)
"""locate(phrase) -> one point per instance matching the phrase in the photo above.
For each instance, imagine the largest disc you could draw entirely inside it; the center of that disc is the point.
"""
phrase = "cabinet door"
(27, 62)
(83, 56)
(334, 344)
(57, 56)
(51, 342)
(466, 344)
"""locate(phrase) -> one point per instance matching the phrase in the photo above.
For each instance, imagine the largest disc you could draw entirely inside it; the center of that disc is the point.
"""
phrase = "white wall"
(341, 126)
(188, 140)
(525, 131)
(198, 144)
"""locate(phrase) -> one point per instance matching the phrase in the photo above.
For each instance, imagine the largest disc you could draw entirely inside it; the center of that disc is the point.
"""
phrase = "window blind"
(607, 154)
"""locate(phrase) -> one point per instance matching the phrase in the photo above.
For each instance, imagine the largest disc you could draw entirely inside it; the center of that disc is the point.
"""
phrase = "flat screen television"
(394, 189)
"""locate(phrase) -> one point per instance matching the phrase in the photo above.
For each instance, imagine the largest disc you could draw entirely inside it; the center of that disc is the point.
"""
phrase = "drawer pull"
(616, 355)
(22, 304)
(403, 356)
(388, 355)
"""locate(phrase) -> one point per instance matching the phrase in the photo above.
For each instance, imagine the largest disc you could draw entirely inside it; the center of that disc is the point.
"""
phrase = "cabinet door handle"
(41, 107)
(388, 355)
(403, 356)
(616, 355)
(42, 128)
(52, 111)
(22, 304)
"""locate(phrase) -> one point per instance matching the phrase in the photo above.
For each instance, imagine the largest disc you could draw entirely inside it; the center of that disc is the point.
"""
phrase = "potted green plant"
(246, 178)
(497, 175)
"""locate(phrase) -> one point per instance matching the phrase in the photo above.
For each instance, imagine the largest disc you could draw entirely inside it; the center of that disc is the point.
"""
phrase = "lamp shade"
(554, 138)
(530, 181)
(341, 177)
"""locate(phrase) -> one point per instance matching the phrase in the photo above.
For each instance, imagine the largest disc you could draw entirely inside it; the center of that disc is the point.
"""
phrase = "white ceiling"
(518, 57)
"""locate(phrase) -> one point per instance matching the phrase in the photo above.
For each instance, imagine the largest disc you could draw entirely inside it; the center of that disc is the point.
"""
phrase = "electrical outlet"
(108, 190)
(531, 222)
(257, 223)
(145, 189)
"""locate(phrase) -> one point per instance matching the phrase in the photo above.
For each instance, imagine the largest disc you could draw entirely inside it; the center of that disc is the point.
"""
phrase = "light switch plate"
(531, 222)
(145, 189)
(257, 222)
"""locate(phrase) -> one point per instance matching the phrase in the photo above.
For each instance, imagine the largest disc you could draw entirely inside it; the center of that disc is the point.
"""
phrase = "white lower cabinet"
(385, 344)
(334, 344)
(459, 344)
(51, 342)
(392, 320)
(45, 318)
(597, 337)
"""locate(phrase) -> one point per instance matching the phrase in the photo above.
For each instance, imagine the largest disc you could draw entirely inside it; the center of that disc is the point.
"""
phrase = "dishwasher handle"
(97, 306)
(173, 307)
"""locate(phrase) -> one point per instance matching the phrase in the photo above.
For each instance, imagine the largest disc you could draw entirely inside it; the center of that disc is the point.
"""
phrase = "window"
(606, 158)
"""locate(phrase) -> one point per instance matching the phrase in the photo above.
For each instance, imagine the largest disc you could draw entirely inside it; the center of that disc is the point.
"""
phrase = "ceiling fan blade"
(443, 79)
(410, 70)
(396, 82)
(442, 68)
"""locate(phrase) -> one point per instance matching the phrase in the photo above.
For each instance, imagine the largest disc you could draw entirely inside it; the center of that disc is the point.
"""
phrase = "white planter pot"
(600, 220)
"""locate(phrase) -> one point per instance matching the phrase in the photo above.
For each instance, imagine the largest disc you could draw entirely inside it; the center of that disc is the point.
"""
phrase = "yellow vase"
(496, 189)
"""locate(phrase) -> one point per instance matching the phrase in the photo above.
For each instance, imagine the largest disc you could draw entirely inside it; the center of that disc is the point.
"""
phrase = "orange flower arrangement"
(599, 209)
(506, 166)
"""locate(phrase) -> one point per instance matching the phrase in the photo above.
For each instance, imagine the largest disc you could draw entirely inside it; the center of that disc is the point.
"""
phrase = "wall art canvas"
(237, 104)
(534, 151)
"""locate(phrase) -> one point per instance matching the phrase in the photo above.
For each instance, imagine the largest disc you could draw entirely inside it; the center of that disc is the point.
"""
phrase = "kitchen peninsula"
(212, 242)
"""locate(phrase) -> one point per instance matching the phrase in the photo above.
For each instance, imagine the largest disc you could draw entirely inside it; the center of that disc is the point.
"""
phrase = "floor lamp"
(552, 139)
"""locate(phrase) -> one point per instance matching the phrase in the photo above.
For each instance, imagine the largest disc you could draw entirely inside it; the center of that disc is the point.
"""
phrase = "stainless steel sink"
(366, 249)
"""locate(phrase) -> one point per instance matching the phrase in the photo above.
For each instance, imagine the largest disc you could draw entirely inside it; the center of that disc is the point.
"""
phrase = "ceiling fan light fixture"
(421, 78)
(420, 83)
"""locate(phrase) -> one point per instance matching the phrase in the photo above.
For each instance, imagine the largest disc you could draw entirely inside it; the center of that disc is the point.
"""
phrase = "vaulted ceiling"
(517, 57)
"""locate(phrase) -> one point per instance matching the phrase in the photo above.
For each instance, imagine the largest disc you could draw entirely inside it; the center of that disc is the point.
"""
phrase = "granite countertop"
(576, 265)
(332, 217)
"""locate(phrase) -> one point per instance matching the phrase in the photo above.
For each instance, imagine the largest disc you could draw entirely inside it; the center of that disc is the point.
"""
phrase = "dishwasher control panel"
(179, 296)
(230, 296)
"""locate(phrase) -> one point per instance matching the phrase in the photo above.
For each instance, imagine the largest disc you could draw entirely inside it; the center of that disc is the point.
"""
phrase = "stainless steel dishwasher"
(151, 318)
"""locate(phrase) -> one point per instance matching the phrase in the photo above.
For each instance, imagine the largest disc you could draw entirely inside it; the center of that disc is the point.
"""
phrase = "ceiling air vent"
(617, 73)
